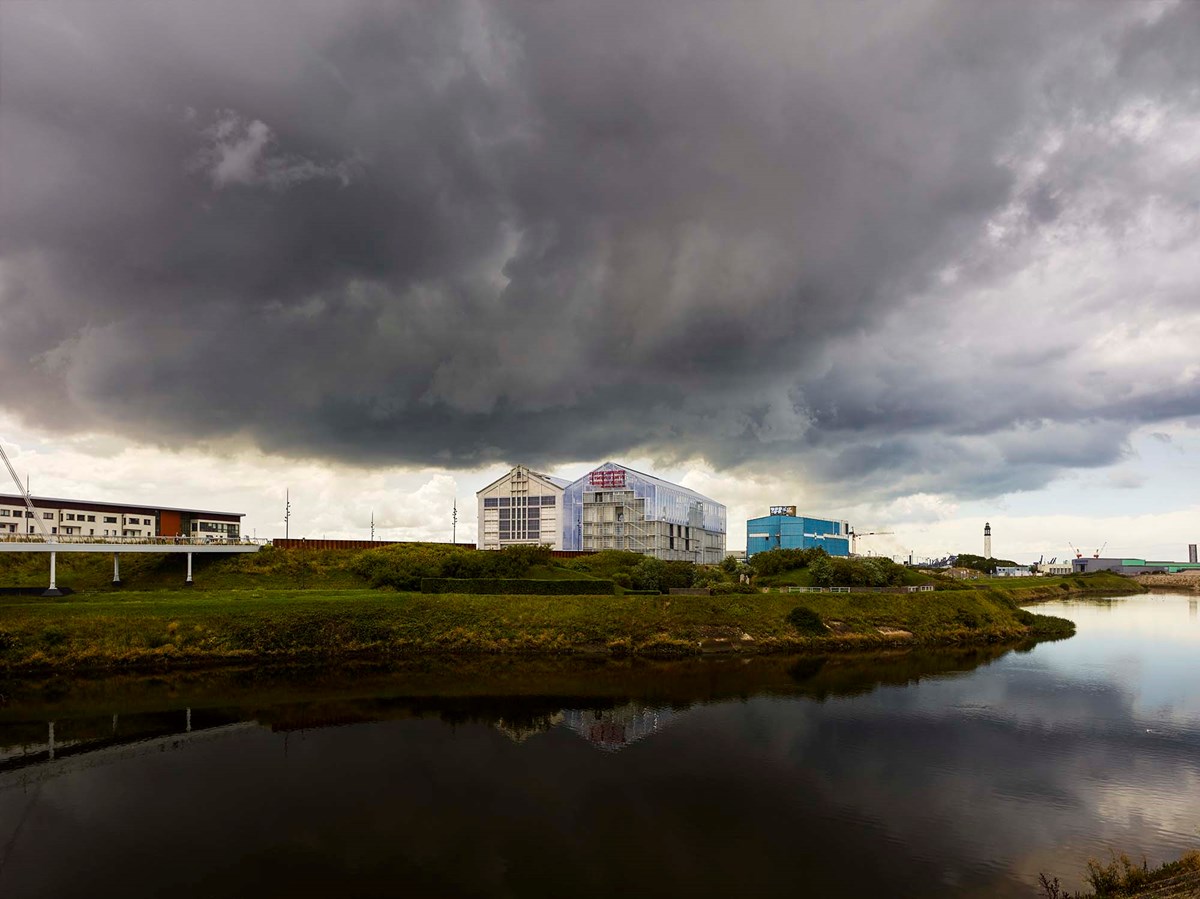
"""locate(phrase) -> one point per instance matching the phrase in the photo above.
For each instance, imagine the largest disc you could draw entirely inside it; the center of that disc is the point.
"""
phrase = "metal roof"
(652, 479)
(14, 500)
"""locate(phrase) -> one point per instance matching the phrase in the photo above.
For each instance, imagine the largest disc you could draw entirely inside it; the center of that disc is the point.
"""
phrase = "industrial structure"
(610, 507)
(987, 539)
(1085, 565)
(88, 518)
(784, 529)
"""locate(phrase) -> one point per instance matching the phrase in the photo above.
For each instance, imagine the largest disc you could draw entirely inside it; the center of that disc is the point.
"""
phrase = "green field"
(175, 627)
(301, 606)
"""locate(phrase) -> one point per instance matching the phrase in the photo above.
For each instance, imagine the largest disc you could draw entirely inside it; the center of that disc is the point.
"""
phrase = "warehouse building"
(615, 507)
(523, 507)
(86, 518)
(784, 529)
(611, 507)
(1131, 566)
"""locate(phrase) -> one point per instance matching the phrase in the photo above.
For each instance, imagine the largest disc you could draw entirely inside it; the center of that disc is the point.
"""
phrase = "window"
(49, 516)
(491, 503)
(110, 519)
(505, 501)
(70, 517)
(91, 518)
(3, 513)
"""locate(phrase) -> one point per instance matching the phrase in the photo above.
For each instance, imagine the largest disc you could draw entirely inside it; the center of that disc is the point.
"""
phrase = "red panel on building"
(613, 477)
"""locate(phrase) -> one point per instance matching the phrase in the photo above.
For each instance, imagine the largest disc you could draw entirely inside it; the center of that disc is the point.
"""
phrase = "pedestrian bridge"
(55, 544)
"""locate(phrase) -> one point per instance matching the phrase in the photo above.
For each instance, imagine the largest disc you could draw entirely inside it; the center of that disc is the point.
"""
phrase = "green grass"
(167, 628)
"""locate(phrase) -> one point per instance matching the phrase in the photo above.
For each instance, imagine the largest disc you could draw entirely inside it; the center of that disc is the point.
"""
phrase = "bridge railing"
(131, 541)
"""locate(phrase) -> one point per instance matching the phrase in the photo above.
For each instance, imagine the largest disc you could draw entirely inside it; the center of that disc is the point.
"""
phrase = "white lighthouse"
(987, 540)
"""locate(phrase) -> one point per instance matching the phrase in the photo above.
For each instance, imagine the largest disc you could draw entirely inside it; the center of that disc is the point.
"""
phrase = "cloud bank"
(915, 248)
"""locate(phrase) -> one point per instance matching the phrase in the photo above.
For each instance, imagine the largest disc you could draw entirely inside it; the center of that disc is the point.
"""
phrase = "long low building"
(1131, 566)
(88, 518)
(610, 507)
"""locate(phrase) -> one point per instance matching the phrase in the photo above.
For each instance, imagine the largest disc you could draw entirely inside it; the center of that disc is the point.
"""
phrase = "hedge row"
(515, 586)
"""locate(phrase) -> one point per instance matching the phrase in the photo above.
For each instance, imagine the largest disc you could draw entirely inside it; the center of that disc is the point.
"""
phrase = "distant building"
(1192, 554)
(1055, 568)
(610, 507)
(88, 518)
(1131, 566)
(1013, 571)
(615, 507)
(790, 531)
(523, 507)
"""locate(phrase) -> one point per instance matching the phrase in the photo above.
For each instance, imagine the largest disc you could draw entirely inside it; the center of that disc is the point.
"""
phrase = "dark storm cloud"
(457, 234)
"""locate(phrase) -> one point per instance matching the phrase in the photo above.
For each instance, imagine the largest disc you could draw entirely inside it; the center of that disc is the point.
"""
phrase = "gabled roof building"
(610, 507)
(524, 507)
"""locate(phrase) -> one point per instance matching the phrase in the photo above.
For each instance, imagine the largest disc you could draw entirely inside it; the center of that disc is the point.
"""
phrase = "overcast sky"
(913, 264)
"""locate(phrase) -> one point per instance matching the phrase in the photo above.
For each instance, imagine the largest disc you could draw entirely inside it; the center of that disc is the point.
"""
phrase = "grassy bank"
(175, 628)
(1122, 877)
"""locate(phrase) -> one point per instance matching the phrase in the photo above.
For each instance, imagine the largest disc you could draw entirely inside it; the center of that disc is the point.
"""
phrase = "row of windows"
(514, 514)
(500, 502)
(70, 516)
(215, 526)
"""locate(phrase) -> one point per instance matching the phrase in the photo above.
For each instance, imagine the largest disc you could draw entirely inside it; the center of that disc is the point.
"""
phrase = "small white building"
(1057, 568)
(1014, 571)
(523, 507)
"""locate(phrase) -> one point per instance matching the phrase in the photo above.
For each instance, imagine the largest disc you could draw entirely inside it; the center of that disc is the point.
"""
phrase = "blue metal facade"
(797, 532)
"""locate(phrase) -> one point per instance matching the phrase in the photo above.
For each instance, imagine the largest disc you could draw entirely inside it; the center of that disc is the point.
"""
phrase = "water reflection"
(960, 773)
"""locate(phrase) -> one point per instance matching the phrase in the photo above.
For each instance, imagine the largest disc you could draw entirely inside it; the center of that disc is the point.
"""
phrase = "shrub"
(730, 589)
(403, 566)
(515, 587)
(648, 574)
(622, 579)
(806, 620)
(773, 561)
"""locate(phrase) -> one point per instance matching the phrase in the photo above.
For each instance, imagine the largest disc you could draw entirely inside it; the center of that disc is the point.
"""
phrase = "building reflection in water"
(607, 729)
(614, 729)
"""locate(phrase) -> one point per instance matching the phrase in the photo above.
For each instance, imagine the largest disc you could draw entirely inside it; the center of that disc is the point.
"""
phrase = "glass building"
(793, 531)
(615, 507)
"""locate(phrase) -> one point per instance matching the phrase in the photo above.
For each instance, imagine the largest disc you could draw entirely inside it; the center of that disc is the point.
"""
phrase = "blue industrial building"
(784, 529)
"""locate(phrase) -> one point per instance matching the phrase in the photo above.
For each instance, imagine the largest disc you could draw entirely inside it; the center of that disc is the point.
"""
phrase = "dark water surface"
(960, 773)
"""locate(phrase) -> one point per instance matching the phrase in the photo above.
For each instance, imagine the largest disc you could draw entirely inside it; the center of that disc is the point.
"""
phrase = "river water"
(960, 773)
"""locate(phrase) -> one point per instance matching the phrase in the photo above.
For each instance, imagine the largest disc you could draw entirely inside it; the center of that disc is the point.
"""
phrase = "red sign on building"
(613, 477)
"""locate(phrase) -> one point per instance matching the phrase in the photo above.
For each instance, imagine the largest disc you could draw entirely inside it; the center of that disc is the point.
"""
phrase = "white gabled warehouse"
(522, 507)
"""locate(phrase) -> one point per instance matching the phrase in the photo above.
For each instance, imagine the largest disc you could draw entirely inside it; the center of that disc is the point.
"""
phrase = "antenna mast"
(287, 513)
(24, 491)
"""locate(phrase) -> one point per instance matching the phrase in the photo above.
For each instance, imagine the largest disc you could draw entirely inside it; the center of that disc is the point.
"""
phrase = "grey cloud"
(457, 234)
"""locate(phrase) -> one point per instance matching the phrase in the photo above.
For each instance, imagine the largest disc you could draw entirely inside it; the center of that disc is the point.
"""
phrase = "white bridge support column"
(188, 582)
(53, 591)
(116, 569)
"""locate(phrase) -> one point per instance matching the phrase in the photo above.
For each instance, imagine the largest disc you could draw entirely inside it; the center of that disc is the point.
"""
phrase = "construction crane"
(1078, 552)
(24, 491)
(1096, 554)
(854, 535)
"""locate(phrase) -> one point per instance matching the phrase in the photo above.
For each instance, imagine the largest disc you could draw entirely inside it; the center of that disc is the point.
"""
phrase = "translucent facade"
(797, 532)
(614, 507)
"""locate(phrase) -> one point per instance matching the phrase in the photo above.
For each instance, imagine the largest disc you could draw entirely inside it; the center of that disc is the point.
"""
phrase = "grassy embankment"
(280, 606)
(1121, 877)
